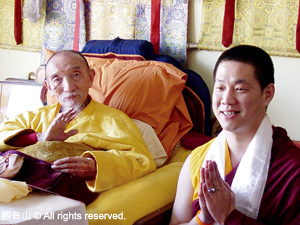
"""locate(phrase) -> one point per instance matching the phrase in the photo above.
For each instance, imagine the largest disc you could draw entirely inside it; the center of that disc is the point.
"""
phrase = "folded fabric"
(10, 190)
(155, 147)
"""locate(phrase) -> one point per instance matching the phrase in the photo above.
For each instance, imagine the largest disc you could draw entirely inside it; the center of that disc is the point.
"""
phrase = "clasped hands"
(77, 166)
(216, 199)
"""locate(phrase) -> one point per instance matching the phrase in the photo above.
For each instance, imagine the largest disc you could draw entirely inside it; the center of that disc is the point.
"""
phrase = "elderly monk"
(116, 151)
(250, 173)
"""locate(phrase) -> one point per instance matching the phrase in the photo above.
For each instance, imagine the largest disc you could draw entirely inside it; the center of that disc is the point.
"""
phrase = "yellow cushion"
(137, 198)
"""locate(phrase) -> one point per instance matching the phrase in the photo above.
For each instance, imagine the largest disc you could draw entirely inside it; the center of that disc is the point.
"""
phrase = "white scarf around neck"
(250, 178)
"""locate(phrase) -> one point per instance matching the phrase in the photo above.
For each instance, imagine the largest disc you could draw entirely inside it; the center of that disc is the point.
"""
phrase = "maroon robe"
(280, 204)
(39, 175)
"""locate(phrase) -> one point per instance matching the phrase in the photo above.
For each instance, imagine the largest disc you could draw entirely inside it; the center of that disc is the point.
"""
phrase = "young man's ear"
(269, 92)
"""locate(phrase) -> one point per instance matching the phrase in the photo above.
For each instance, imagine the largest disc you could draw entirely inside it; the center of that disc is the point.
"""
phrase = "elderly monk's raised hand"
(77, 166)
(219, 198)
(56, 131)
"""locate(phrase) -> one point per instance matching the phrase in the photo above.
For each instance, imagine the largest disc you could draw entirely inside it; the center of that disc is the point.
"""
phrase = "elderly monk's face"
(69, 79)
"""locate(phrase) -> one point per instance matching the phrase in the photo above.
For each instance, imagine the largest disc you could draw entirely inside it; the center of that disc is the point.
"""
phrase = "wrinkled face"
(238, 102)
(69, 79)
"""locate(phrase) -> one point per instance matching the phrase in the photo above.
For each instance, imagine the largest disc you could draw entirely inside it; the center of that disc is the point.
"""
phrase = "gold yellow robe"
(121, 154)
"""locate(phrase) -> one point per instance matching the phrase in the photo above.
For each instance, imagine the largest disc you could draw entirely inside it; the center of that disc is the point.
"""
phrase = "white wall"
(284, 109)
(18, 64)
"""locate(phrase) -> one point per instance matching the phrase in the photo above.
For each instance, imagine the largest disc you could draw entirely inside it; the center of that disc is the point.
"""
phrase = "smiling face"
(238, 101)
(69, 79)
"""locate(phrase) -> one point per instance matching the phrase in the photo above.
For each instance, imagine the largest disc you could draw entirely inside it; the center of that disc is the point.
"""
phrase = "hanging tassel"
(155, 24)
(228, 23)
(298, 31)
(77, 26)
(18, 21)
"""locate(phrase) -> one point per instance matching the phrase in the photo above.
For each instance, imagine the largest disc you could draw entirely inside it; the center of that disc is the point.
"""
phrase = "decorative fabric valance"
(31, 33)
(68, 24)
(271, 25)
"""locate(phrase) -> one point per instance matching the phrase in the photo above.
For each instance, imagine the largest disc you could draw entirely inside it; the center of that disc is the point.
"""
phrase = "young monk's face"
(69, 79)
(238, 102)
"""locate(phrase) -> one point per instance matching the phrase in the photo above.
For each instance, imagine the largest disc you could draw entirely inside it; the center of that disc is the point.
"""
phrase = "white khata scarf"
(251, 175)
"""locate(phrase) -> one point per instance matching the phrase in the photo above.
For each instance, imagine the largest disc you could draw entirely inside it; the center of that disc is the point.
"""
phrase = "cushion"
(149, 91)
(111, 55)
(153, 143)
(121, 46)
(137, 198)
(106, 55)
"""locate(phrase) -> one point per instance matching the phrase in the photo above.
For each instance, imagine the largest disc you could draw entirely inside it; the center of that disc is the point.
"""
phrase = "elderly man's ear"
(92, 76)
(46, 84)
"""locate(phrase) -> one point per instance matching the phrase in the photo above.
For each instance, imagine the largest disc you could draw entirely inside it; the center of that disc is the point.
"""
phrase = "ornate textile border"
(99, 19)
(32, 32)
(268, 24)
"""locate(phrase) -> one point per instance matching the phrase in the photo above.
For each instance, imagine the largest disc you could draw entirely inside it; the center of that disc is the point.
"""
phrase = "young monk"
(250, 173)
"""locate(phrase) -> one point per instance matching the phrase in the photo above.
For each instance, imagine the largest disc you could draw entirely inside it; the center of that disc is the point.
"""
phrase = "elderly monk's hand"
(219, 198)
(56, 130)
(77, 166)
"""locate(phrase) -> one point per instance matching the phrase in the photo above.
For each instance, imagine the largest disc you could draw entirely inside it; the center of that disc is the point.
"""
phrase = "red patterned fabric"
(77, 25)
(228, 23)
(298, 31)
(18, 21)
(155, 24)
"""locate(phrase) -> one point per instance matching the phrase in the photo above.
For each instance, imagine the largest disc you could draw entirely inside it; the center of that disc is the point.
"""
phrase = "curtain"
(100, 19)
(31, 32)
(268, 24)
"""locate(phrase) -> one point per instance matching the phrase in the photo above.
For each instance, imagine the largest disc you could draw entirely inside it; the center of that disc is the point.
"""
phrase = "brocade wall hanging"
(32, 33)
(63, 18)
(139, 19)
(269, 24)
(162, 22)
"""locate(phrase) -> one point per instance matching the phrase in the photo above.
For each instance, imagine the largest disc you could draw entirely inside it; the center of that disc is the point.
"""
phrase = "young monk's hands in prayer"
(56, 130)
(204, 214)
(215, 195)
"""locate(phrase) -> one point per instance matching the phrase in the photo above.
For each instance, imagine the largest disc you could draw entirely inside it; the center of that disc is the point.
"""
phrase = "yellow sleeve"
(116, 167)
(28, 121)
(9, 129)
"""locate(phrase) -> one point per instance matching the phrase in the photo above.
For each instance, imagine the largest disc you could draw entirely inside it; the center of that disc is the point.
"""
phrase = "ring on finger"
(212, 190)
